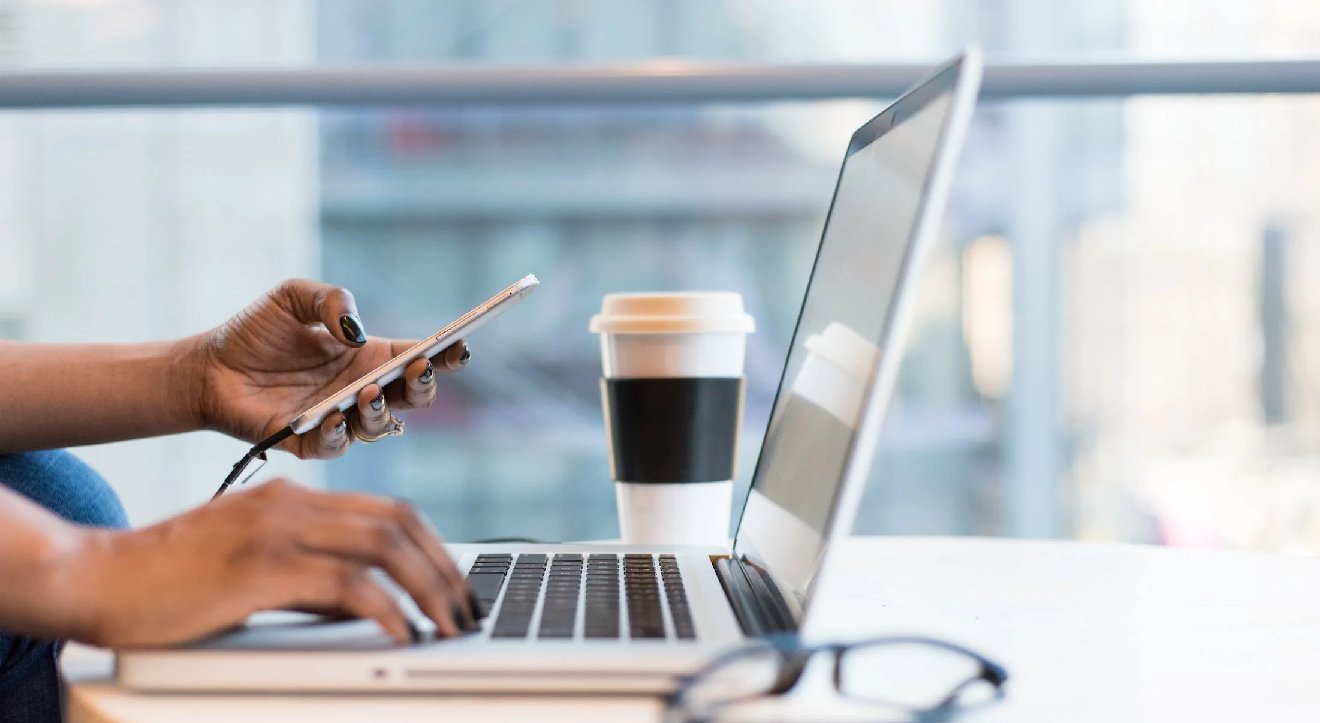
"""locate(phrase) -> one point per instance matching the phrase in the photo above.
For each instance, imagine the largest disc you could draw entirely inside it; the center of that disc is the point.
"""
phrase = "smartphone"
(345, 398)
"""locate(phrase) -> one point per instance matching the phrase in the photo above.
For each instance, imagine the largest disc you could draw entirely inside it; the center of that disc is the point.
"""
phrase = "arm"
(247, 378)
(59, 395)
(33, 547)
(276, 547)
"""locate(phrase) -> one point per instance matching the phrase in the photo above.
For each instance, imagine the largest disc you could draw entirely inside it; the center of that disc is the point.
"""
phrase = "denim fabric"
(60, 482)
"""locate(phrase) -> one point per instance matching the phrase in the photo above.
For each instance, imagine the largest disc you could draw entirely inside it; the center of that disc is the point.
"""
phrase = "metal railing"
(665, 81)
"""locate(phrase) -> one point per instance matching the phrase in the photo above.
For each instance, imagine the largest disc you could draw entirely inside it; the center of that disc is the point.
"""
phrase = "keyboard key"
(486, 586)
(510, 629)
(485, 577)
(520, 595)
(642, 592)
(676, 596)
(611, 633)
(650, 588)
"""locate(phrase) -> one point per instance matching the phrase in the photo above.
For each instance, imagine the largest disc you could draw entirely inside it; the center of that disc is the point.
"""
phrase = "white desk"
(1088, 632)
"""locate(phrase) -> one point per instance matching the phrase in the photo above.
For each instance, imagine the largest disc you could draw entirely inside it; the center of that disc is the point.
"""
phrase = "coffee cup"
(672, 392)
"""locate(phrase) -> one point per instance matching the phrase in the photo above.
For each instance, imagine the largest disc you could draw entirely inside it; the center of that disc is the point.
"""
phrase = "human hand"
(295, 346)
(279, 546)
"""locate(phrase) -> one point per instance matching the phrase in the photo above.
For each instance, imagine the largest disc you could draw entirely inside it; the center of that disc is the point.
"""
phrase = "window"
(1115, 337)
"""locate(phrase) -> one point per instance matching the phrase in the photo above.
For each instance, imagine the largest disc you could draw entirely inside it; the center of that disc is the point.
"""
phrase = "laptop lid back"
(844, 356)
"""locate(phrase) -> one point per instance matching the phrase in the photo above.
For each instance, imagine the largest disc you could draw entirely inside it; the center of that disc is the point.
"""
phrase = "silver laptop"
(632, 619)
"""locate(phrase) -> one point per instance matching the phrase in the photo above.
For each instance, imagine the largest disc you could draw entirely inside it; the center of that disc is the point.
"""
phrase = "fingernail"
(378, 402)
(467, 354)
(456, 609)
(352, 328)
(341, 426)
(414, 632)
(427, 375)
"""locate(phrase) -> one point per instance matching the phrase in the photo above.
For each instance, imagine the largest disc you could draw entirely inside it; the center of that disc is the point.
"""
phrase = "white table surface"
(1088, 632)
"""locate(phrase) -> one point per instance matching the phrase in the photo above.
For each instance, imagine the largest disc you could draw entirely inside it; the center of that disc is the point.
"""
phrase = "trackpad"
(299, 631)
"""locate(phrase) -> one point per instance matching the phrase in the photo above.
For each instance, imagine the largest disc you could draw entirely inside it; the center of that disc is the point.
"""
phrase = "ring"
(393, 429)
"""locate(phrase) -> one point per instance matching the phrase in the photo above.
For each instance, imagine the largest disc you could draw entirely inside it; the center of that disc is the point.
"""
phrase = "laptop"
(588, 617)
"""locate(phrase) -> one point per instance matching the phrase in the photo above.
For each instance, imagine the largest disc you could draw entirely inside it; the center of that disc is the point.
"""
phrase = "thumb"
(313, 302)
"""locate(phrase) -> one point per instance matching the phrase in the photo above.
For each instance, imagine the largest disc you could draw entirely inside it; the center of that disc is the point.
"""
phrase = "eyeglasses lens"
(911, 675)
(748, 675)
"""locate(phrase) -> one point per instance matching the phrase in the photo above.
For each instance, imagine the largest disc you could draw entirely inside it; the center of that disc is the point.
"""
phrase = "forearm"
(59, 395)
(37, 549)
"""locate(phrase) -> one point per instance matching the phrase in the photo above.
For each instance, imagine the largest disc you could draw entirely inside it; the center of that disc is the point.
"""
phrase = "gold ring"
(393, 429)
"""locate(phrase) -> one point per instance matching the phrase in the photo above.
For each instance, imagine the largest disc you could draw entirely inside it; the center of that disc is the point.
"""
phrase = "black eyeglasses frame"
(793, 657)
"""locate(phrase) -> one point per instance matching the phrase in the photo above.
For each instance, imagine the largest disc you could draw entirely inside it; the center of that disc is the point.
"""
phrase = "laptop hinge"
(754, 597)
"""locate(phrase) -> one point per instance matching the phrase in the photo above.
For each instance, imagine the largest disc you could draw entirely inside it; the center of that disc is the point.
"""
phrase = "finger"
(381, 541)
(329, 440)
(373, 413)
(417, 388)
(330, 612)
(418, 528)
(456, 355)
(452, 358)
(366, 598)
(323, 582)
(428, 538)
(313, 302)
(408, 393)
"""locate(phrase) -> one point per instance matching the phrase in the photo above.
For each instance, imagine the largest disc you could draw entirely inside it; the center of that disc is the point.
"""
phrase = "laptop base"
(288, 652)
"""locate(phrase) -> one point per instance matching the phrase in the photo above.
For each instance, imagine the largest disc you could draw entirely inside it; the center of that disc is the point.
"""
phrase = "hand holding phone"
(383, 374)
(428, 347)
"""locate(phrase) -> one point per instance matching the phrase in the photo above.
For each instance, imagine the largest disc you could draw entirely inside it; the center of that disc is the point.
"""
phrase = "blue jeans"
(58, 481)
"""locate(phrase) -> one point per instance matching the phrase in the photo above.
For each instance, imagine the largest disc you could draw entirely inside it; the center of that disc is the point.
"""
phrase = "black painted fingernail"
(341, 426)
(465, 624)
(427, 375)
(378, 402)
(467, 354)
(414, 632)
(352, 328)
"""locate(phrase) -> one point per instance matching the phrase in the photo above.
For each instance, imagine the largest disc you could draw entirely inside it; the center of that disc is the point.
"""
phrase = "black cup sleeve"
(682, 429)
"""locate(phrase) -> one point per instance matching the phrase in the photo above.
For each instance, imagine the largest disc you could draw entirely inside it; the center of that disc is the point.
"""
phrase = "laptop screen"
(839, 340)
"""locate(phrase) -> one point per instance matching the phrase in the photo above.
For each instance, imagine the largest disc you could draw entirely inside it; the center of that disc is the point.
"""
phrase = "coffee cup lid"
(684, 312)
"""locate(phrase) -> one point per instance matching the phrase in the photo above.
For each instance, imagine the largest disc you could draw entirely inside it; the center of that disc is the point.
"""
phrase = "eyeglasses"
(908, 678)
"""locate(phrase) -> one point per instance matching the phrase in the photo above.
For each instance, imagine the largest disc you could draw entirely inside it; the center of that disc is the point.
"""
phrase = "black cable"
(258, 451)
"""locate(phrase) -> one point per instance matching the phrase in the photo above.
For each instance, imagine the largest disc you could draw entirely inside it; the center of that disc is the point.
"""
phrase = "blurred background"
(1116, 340)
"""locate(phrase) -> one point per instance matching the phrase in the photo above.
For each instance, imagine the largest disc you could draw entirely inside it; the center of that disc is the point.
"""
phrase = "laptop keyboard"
(559, 597)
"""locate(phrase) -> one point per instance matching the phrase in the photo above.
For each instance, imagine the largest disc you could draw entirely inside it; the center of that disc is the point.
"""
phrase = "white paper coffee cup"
(672, 393)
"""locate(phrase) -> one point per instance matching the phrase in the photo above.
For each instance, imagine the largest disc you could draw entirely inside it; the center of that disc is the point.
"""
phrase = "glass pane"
(129, 226)
(1117, 336)
(426, 213)
(1115, 344)
(219, 33)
